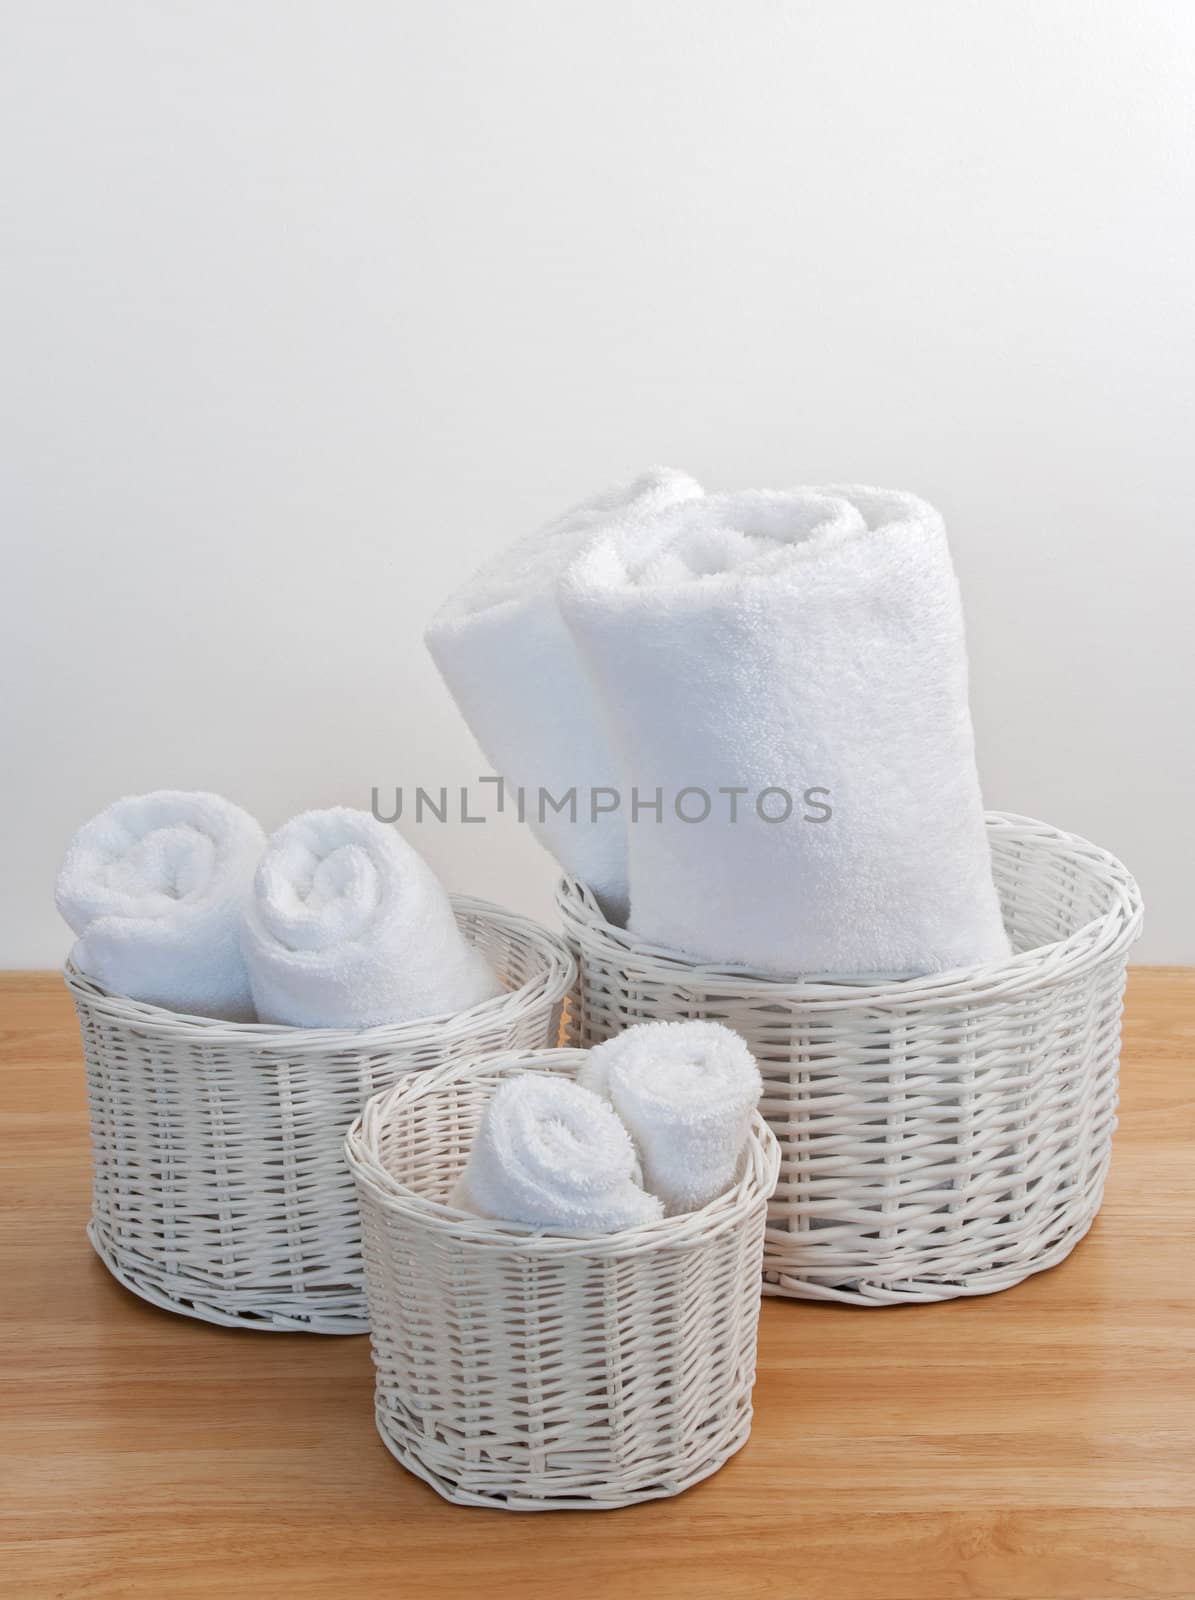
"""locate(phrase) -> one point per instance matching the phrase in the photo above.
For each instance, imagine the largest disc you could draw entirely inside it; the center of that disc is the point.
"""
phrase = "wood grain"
(1036, 1445)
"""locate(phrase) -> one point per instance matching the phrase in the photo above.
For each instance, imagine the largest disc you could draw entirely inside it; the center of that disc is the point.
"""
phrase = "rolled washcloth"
(551, 1155)
(348, 927)
(506, 655)
(686, 1092)
(155, 887)
(805, 650)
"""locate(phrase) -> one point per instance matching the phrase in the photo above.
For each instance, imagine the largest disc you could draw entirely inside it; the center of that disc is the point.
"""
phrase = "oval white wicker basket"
(539, 1372)
(220, 1188)
(939, 1136)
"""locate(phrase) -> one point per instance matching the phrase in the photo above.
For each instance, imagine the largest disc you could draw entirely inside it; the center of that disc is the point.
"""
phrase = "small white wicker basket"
(939, 1136)
(220, 1188)
(534, 1371)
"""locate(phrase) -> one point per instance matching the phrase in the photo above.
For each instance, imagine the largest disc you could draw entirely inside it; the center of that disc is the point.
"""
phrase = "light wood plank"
(1036, 1445)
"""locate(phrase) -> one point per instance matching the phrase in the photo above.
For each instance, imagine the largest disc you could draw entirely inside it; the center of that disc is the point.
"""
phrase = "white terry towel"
(348, 927)
(686, 1092)
(155, 887)
(794, 641)
(551, 1155)
(506, 655)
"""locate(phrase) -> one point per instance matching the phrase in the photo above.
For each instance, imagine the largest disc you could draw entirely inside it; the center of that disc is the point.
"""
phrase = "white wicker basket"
(538, 1371)
(220, 1186)
(939, 1136)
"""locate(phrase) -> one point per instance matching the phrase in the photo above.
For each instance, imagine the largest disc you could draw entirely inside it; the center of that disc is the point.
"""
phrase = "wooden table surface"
(1037, 1443)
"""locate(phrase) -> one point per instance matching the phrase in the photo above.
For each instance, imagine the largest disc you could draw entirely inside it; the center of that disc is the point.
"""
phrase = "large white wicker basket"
(536, 1371)
(220, 1186)
(939, 1136)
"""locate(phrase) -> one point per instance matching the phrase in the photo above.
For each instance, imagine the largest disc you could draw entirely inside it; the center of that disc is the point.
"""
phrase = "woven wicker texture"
(940, 1136)
(220, 1186)
(538, 1372)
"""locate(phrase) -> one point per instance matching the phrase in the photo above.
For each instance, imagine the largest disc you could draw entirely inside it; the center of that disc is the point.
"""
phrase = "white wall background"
(307, 308)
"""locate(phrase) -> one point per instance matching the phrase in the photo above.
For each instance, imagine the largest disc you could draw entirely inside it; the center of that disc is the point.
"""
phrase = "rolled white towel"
(686, 1091)
(806, 650)
(506, 656)
(155, 887)
(551, 1155)
(348, 927)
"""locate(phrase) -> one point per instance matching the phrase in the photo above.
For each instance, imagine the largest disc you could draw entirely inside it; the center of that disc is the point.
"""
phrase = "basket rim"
(555, 978)
(361, 1147)
(1102, 939)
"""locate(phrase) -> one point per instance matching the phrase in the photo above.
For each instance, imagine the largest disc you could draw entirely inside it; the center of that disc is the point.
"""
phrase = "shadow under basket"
(533, 1371)
(220, 1186)
(939, 1136)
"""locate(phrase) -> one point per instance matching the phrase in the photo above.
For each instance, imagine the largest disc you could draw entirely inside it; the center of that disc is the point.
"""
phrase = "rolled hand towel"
(506, 656)
(796, 662)
(552, 1155)
(155, 887)
(348, 927)
(686, 1092)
